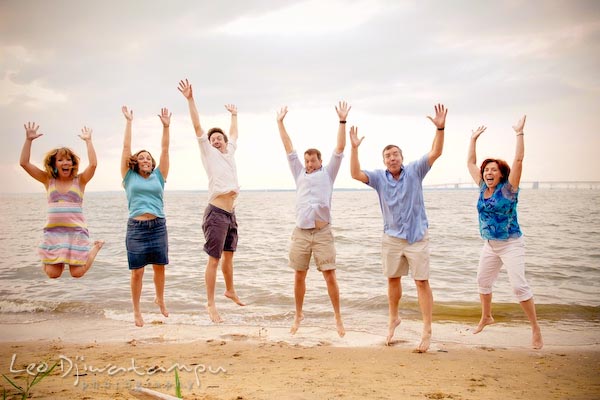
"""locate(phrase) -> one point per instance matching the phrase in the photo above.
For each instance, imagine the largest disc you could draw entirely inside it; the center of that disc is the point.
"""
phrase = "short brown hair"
(133, 161)
(310, 152)
(212, 131)
(391, 146)
(502, 166)
(52, 155)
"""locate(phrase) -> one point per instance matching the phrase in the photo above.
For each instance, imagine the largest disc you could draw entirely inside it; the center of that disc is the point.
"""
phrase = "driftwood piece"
(148, 394)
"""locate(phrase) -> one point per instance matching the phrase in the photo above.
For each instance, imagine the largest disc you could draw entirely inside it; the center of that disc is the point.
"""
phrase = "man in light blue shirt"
(312, 235)
(405, 242)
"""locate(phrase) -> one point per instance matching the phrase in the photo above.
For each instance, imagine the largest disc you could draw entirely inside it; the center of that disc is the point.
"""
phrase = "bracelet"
(520, 134)
(342, 122)
(441, 129)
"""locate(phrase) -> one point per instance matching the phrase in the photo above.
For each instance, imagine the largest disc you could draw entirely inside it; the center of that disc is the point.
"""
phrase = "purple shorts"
(220, 231)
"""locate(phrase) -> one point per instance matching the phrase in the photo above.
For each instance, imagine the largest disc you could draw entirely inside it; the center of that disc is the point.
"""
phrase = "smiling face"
(392, 158)
(492, 175)
(63, 165)
(217, 140)
(494, 172)
(145, 163)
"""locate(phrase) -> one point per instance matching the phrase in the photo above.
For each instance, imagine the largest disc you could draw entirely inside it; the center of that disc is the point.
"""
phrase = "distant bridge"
(593, 185)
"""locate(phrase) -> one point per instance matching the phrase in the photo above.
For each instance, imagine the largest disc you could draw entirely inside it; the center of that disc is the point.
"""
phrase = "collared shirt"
(498, 213)
(145, 195)
(401, 201)
(220, 168)
(314, 190)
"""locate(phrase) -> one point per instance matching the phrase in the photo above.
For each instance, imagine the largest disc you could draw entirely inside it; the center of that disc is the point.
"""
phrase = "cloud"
(33, 94)
(311, 18)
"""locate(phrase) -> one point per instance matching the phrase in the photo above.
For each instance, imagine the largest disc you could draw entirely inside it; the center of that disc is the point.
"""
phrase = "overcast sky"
(66, 64)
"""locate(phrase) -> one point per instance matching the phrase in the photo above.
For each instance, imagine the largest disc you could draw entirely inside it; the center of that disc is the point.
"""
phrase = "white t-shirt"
(220, 168)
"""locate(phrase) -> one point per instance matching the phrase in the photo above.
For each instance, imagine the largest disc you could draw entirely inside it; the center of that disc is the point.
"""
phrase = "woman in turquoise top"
(499, 227)
(147, 239)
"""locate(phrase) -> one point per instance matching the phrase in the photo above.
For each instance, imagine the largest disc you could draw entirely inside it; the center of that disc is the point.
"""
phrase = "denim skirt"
(147, 242)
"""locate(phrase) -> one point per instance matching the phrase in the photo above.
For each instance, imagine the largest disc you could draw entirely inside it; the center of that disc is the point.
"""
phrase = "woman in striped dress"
(66, 239)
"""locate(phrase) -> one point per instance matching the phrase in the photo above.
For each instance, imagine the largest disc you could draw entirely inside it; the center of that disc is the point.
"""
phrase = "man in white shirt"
(312, 235)
(219, 224)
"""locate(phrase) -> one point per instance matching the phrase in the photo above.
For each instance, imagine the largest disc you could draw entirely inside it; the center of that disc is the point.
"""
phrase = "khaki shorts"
(398, 257)
(317, 242)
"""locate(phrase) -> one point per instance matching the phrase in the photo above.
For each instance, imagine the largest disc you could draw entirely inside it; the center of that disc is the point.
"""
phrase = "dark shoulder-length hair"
(133, 161)
(53, 155)
(502, 166)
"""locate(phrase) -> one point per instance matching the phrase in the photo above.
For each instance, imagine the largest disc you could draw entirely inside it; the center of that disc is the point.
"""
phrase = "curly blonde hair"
(52, 155)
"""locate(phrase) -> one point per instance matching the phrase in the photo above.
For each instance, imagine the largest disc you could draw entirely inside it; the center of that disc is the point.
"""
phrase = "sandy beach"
(100, 359)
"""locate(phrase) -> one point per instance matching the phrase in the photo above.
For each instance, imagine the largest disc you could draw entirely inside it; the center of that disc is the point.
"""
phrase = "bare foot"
(80, 271)
(536, 341)
(162, 306)
(391, 329)
(139, 321)
(485, 321)
(340, 327)
(296, 324)
(233, 296)
(213, 314)
(425, 341)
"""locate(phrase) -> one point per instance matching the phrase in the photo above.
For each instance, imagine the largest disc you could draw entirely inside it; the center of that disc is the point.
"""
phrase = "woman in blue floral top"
(499, 227)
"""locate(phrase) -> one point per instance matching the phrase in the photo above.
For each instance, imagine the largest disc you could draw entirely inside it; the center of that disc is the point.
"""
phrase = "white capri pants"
(511, 254)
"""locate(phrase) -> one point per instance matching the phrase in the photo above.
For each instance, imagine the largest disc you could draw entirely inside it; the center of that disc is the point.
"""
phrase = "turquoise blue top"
(498, 214)
(401, 201)
(145, 195)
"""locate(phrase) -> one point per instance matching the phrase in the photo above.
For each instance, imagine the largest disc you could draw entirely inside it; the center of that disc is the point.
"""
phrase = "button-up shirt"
(401, 201)
(314, 190)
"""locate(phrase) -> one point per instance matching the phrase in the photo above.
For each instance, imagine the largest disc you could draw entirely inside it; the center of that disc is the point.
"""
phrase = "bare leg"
(53, 270)
(486, 312)
(394, 295)
(227, 269)
(426, 305)
(529, 308)
(137, 276)
(78, 272)
(159, 285)
(334, 294)
(210, 278)
(299, 291)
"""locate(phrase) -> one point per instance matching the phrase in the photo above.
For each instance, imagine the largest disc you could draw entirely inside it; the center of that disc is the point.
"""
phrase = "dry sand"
(233, 364)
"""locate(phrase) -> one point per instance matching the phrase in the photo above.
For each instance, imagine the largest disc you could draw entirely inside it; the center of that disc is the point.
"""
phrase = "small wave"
(27, 306)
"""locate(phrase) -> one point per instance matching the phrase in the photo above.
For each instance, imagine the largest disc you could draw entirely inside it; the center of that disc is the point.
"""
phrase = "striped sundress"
(66, 238)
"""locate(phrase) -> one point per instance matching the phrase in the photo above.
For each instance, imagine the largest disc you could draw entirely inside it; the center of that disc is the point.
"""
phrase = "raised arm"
(355, 170)
(233, 128)
(165, 118)
(88, 173)
(285, 138)
(438, 142)
(186, 89)
(31, 133)
(515, 172)
(342, 110)
(128, 114)
(472, 155)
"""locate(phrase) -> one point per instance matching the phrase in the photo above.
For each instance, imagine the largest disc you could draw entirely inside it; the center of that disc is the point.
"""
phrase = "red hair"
(502, 166)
